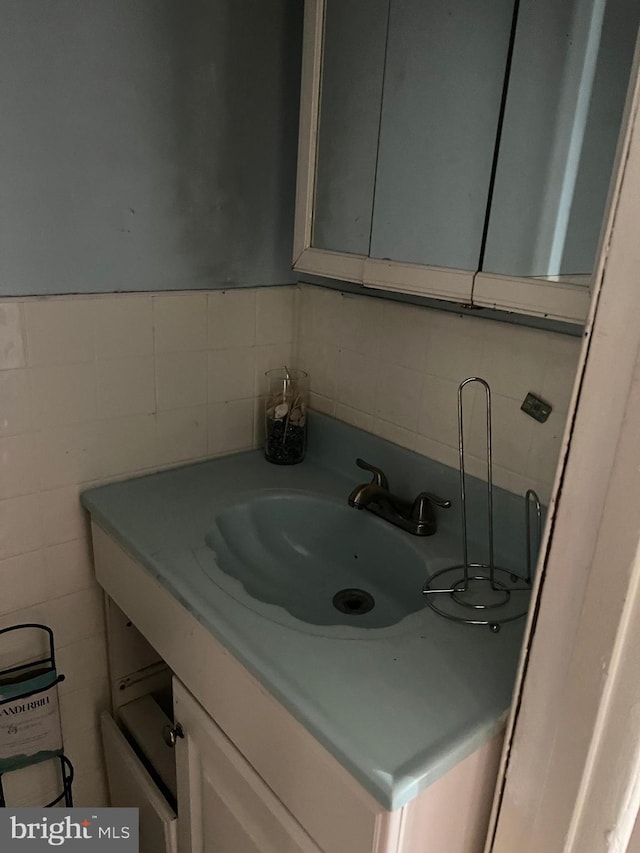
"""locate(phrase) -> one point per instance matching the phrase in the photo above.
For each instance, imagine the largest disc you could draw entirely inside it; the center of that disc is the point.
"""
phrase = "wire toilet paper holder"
(483, 593)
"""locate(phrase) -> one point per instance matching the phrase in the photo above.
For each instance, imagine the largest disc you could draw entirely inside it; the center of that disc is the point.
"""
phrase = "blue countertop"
(397, 706)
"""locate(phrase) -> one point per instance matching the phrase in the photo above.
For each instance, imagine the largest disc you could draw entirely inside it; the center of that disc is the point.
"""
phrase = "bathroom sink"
(321, 560)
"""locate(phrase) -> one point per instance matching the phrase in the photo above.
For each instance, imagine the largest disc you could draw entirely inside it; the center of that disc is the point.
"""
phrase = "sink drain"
(354, 602)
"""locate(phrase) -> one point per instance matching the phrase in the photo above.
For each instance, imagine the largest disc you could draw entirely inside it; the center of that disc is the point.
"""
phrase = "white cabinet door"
(131, 785)
(223, 805)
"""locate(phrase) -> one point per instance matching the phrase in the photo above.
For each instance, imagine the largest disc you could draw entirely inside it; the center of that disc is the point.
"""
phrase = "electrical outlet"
(536, 408)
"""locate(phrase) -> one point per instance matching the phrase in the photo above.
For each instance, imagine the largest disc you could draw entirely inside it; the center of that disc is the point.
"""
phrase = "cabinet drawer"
(145, 722)
(130, 784)
(224, 805)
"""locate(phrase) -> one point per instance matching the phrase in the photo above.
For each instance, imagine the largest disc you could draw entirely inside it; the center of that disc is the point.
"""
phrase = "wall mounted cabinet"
(461, 150)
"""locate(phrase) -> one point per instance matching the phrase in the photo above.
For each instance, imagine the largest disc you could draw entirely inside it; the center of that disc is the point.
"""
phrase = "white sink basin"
(324, 562)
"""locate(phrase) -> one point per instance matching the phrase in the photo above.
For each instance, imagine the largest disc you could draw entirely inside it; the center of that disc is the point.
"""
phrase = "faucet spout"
(417, 517)
(369, 493)
(363, 494)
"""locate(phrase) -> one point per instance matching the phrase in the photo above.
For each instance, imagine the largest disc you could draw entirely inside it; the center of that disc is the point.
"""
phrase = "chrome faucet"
(417, 516)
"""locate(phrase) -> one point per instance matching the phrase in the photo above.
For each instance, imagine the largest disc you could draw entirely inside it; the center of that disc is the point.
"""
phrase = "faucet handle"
(422, 504)
(379, 477)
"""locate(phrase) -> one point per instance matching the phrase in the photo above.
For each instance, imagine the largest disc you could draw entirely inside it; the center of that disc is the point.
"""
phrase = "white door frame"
(570, 780)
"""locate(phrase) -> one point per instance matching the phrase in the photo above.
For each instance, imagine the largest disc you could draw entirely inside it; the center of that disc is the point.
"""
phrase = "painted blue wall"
(147, 144)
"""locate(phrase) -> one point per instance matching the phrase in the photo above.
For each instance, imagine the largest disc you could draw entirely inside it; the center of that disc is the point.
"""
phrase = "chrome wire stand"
(482, 593)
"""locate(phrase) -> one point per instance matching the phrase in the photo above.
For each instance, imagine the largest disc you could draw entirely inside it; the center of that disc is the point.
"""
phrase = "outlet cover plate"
(536, 408)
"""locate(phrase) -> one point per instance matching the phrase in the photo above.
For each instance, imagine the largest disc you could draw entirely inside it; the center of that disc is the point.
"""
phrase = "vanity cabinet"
(222, 802)
(250, 778)
(461, 150)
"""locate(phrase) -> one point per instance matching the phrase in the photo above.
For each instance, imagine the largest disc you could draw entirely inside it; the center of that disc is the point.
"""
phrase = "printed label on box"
(29, 724)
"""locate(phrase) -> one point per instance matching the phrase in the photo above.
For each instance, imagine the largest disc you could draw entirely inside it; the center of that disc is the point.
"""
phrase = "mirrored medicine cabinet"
(462, 149)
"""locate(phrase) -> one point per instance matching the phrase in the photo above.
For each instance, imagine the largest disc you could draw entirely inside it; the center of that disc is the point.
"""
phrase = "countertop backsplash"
(394, 369)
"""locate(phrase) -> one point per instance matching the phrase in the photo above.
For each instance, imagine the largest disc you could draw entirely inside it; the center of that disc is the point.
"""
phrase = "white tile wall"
(11, 336)
(60, 331)
(124, 327)
(99, 387)
(232, 319)
(180, 322)
(181, 379)
(275, 316)
(110, 386)
(394, 370)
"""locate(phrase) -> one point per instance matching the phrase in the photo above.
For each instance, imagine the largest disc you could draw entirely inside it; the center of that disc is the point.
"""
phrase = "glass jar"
(286, 415)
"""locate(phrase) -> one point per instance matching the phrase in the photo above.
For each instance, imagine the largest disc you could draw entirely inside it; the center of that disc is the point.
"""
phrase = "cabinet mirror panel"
(443, 82)
(355, 34)
(409, 105)
(566, 92)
